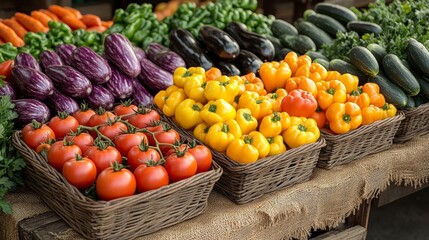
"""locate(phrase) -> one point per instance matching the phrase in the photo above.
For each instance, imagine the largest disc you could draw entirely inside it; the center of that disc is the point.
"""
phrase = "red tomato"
(36, 133)
(125, 109)
(80, 172)
(150, 177)
(115, 182)
(180, 167)
(144, 117)
(169, 137)
(204, 157)
(101, 118)
(103, 157)
(299, 103)
(60, 152)
(124, 142)
(141, 154)
(83, 115)
(63, 124)
(182, 147)
(320, 117)
(6, 69)
(112, 130)
(83, 140)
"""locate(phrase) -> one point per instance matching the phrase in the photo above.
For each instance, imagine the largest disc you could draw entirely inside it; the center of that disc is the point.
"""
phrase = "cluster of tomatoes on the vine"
(123, 152)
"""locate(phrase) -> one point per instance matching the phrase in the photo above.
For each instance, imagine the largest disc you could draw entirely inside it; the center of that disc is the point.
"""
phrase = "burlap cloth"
(324, 201)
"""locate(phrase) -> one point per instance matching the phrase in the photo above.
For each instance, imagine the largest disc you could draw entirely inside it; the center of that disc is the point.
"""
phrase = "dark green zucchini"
(338, 12)
(423, 82)
(247, 62)
(378, 51)
(315, 55)
(219, 42)
(410, 103)
(363, 60)
(419, 100)
(257, 44)
(392, 93)
(299, 43)
(277, 46)
(280, 27)
(316, 34)
(324, 22)
(344, 67)
(362, 27)
(400, 75)
(418, 56)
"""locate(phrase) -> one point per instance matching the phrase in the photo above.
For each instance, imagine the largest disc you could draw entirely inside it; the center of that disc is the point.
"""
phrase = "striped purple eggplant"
(32, 83)
(141, 95)
(140, 53)
(100, 97)
(120, 52)
(164, 57)
(59, 102)
(92, 65)
(50, 58)
(6, 89)
(26, 60)
(70, 81)
(29, 109)
(154, 77)
(65, 52)
(120, 85)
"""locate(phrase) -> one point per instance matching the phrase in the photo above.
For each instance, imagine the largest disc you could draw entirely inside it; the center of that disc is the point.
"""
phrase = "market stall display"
(252, 101)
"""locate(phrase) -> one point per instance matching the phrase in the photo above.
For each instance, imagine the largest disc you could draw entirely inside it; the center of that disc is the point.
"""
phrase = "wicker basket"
(124, 218)
(416, 123)
(243, 183)
(368, 139)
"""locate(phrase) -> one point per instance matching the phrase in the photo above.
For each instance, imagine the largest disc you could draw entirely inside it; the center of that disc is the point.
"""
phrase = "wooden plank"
(48, 232)
(28, 225)
(353, 233)
(393, 193)
(361, 217)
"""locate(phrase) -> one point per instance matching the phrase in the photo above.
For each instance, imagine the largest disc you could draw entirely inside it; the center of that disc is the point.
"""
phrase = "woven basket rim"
(215, 172)
(417, 110)
(362, 129)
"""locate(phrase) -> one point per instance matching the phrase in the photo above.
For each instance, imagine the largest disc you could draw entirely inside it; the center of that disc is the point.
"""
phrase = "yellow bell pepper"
(302, 131)
(276, 99)
(274, 75)
(221, 88)
(242, 152)
(274, 124)
(187, 113)
(167, 100)
(181, 75)
(217, 111)
(330, 92)
(200, 131)
(389, 110)
(260, 106)
(318, 72)
(222, 134)
(371, 114)
(277, 145)
(351, 82)
(259, 141)
(240, 82)
(246, 121)
(194, 89)
(343, 117)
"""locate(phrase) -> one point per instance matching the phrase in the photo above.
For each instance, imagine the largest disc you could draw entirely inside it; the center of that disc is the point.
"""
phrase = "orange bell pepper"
(330, 92)
(332, 75)
(260, 106)
(350, 81)
(213, 73)
(373, 90)
(304, 65)
(344, 117)
(292, 60)
(276, 99)
(320, 117)
(318, 72)
(371, 114)
(274, 75)
(302, 83)
(360, 98)
(254, 84)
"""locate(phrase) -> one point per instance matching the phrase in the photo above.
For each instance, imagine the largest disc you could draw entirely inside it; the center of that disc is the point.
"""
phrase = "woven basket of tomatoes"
(116, 175)
(260, 148)
(416, 123)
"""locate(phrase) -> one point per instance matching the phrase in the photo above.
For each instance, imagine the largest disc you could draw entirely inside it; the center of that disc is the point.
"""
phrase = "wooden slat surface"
(353, 233)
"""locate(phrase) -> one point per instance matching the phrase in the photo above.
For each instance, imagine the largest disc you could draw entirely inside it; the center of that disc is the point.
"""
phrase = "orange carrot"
(73, 22)
(16, 26)
(43, 18)
(91, 20)
(1, 41)
(8, 35)
(50, 14)
(30, 23)
(107, 24)
(74, 11)
(60, 11)
(99, 29)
